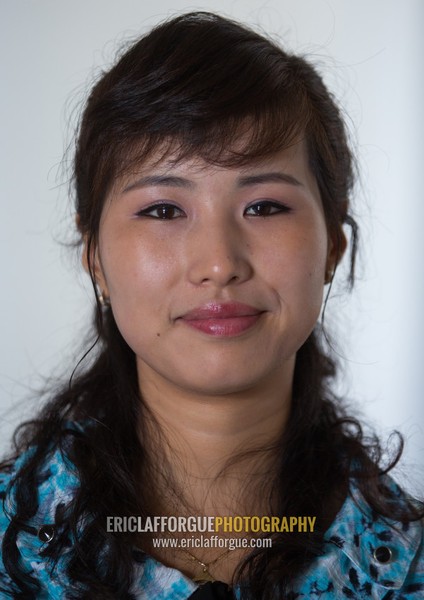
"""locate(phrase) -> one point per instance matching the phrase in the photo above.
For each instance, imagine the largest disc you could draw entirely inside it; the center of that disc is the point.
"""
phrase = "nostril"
(218, 265)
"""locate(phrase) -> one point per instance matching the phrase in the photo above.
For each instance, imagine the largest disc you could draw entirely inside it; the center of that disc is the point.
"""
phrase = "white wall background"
(371, 56)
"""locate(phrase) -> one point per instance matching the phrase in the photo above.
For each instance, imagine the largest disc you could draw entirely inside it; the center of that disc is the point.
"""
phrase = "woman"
(212, 182)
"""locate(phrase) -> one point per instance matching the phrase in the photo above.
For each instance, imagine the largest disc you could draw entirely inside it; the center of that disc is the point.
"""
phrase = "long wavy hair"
(207, 87)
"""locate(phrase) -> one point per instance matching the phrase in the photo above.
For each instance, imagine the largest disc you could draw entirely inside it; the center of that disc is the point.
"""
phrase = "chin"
(223, 384)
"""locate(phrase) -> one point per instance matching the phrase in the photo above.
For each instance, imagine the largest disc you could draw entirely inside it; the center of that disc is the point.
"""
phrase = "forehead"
(292, 161)
(286, 171)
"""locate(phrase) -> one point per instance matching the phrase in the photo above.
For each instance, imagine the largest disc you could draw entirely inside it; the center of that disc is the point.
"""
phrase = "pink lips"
(222, 320)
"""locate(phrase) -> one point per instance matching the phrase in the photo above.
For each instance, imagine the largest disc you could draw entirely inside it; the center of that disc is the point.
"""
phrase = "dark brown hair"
(197, 85)
(204, 86)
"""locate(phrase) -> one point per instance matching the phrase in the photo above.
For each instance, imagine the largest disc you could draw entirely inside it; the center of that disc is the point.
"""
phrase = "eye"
(163, 211)
(266, 208)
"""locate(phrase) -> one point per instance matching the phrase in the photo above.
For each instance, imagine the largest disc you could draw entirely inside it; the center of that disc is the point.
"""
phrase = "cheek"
(140, 280)
(295, 262)
(138, 287)
(131, 264)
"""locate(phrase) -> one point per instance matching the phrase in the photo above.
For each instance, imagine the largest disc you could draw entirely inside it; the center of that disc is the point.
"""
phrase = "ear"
(92, 265)
(337, 244)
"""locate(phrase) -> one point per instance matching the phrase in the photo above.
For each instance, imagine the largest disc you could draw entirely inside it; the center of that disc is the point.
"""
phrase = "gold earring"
(104, 300)
(329, 274)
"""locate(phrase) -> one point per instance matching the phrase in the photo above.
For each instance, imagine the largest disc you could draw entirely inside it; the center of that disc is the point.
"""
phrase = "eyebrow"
(272, 177)
(163, 180)
(182, 182)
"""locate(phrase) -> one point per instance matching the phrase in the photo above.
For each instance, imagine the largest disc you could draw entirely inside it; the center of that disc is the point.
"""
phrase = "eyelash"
(164, 206)
(275, 208)
(271, 208)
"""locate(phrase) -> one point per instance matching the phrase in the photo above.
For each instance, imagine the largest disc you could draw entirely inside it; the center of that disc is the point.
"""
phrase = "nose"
(219, 255)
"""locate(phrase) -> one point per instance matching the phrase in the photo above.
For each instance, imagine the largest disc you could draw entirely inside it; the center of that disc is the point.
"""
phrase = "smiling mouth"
(222, 320)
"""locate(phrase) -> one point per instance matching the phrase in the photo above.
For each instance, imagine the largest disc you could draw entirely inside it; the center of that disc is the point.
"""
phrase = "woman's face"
(215, 275)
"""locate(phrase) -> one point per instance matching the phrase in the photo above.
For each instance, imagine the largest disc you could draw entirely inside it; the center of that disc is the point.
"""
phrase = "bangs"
(202, 88)
(235, 140)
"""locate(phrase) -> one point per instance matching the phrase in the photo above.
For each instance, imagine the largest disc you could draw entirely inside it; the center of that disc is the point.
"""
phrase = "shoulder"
(56, 484)
(369, 556)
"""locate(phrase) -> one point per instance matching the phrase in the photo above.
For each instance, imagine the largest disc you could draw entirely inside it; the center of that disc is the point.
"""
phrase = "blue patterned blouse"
(365, 556)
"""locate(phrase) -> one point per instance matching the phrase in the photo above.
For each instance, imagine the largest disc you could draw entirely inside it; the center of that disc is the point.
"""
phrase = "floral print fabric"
(365, 556)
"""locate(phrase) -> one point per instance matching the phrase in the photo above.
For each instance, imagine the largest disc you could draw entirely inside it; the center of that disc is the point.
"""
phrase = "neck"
(214, 445)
